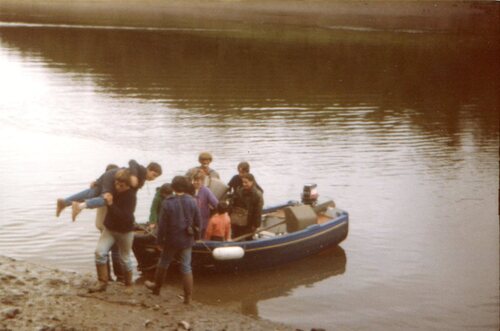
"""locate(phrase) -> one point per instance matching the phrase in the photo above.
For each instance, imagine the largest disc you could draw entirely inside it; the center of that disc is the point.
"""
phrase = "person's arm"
(212, 200)
(256, 211)
(134, 167)
(196, 217)
(155, 208)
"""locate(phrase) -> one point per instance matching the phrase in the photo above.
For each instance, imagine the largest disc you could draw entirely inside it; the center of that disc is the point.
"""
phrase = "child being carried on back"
(219, 225)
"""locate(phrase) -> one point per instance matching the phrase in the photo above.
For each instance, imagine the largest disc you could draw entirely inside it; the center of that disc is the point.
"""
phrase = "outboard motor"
(310, 195)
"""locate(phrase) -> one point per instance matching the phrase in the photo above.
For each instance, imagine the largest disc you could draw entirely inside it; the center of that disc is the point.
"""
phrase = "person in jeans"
(93, 197)
(118, 228)
(179, 212)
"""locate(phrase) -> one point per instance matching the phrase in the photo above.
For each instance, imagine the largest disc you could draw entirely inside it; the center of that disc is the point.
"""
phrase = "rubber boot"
(159, 277)
(102, 279)
(118, 268)
(187, 280)
(128, 282)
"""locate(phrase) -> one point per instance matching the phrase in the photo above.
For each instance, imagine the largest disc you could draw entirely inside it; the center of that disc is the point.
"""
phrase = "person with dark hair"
(219, 225)
(205, 159)
(143, 241)
(246, 207)
(93, 196)
(236, 182)
(176, 236)
(140, 173)
(118, 228)
(115, 252)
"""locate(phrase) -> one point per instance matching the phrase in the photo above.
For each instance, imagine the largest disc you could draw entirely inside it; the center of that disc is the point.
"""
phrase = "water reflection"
(248, 289)
(223, 76)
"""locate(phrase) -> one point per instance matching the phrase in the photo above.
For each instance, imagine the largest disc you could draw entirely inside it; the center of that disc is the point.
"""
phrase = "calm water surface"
(400, 129)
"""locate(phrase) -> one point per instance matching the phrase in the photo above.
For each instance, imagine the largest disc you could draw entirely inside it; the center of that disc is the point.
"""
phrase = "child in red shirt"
(219, 225)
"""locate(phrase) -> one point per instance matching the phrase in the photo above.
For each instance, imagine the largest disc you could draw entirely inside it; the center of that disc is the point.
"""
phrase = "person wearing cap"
(205, 159)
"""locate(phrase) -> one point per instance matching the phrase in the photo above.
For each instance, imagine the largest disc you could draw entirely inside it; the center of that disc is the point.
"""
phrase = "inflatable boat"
(290, 231)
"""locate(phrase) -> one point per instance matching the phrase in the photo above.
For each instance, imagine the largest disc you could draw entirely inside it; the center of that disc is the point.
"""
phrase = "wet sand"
(35, 297)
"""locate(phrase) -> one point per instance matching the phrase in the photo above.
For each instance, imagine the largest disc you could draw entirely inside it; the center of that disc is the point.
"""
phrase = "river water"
(400, 128)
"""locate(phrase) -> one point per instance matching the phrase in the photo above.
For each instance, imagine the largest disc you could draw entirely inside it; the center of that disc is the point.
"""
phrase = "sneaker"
(75, 210)
(60, 206)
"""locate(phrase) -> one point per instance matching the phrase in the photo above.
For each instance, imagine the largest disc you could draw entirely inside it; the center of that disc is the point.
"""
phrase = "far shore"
(477, 17)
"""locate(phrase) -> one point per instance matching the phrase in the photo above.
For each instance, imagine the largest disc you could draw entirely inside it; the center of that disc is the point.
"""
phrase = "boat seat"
(299, 217)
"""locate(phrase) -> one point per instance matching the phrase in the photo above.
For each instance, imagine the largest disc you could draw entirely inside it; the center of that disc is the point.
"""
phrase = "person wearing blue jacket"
(179, 215)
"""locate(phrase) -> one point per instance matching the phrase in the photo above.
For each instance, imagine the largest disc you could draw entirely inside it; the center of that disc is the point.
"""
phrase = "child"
(219, 225)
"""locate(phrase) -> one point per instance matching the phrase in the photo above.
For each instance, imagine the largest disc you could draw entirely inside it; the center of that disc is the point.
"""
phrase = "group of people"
(182, 212)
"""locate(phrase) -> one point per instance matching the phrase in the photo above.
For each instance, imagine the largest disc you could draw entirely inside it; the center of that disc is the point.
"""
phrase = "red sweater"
(219, 225)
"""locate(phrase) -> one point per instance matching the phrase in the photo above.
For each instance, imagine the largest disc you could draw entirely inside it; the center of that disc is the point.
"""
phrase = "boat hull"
(270, 252)
(262, 253)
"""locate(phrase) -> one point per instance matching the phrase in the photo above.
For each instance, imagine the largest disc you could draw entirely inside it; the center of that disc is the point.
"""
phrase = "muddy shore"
(34, 297)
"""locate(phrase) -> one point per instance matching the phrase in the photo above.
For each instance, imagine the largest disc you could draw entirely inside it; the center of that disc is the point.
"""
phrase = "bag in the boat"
(239, 216)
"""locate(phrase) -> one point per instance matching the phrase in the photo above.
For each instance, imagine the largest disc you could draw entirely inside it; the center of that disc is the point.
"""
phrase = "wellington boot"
(187, 281)
(108, 266)
(156, 286)
(102, 279)
(129, 289)
(118, 270)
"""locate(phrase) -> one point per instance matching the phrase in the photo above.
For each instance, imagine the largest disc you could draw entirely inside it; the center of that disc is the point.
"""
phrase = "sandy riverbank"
(34, 297)
(449, 16)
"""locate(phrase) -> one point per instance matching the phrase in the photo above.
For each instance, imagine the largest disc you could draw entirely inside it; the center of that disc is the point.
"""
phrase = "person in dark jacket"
(179, 213)
(118, 228)
(246, 207)
(236, 182)
(93, 196)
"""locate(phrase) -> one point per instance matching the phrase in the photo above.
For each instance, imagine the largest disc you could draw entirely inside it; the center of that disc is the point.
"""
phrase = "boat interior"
(295, 218)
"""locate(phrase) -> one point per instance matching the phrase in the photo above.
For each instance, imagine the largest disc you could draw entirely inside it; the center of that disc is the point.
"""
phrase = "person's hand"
(93, 184)
(108, 197)
(134, 181)
(152, 226)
